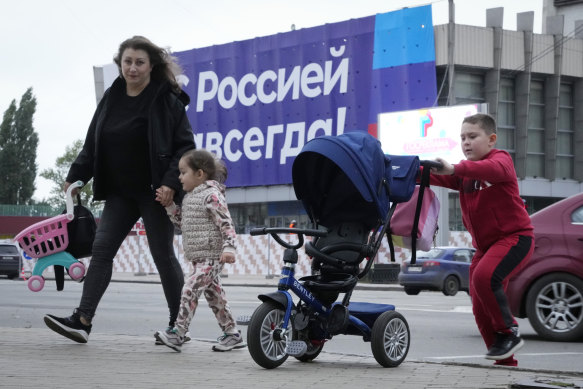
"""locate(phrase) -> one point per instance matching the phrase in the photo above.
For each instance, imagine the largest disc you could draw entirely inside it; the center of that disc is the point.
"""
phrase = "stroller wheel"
(265, 340)
(77, 271)
(36, 283)
(390, 339)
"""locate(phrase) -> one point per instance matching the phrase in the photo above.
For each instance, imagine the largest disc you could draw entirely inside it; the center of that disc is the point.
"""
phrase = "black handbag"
(81, 231)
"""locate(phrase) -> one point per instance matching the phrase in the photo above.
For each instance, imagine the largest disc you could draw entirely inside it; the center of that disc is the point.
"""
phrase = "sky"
(53, 45)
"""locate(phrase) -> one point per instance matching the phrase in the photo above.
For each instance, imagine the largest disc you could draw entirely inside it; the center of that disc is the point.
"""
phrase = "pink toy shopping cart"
(47, 240)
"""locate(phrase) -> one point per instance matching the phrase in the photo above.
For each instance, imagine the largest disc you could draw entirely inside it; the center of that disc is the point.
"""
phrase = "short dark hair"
(208, 162)
(485, 121)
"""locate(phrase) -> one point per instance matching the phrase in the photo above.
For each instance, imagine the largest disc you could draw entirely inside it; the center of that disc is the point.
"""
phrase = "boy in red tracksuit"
(501, 231)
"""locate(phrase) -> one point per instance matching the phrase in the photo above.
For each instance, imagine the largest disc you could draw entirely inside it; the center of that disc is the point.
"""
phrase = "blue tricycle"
(346, 186)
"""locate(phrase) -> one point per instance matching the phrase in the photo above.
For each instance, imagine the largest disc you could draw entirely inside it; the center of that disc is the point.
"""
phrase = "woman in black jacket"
(134, 142)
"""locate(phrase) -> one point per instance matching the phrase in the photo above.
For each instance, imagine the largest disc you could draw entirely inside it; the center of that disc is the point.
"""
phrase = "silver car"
(10, 260)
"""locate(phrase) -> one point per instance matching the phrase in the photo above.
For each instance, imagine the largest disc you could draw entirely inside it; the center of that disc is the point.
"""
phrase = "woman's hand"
(446, 168)
(67, 185)
(165, 195)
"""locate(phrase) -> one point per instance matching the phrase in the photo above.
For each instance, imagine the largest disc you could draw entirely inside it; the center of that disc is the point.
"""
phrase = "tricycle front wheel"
(390, 339)
(265, 338)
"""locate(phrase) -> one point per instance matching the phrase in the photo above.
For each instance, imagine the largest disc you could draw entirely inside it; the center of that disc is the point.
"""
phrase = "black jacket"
(169, 136)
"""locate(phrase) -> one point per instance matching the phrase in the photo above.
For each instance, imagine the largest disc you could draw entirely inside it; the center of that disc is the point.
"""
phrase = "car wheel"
(412, 291)
(451, 285)
(554, 306)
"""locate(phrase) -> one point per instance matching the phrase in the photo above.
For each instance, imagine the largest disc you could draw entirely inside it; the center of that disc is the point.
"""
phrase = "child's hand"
(446, 168)
(227, 258)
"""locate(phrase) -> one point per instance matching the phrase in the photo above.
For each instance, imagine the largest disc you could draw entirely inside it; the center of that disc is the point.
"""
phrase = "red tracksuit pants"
(489, 276)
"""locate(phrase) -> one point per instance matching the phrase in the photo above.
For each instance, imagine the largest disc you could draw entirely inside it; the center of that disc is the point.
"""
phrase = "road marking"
(459, 309)
(458, 357)
(539, 354)
(521, 354)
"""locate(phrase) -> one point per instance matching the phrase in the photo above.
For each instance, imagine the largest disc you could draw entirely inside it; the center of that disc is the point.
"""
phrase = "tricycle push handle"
(430, 164)
(69, 198)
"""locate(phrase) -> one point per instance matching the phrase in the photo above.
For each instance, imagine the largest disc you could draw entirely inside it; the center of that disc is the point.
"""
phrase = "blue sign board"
(255, 103)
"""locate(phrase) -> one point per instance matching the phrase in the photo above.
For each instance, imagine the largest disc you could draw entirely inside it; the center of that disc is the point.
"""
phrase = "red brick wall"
(12, 225)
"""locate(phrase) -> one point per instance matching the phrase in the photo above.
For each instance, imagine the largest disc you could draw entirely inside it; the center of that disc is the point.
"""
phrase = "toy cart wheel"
(264, 335)
(390, 339)
(77, 271)
(36, 283)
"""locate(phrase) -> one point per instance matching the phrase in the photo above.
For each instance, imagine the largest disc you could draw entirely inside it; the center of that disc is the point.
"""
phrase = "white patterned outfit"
(207, 232)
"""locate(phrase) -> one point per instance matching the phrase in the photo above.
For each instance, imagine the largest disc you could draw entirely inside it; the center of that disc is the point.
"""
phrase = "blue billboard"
(255, 103)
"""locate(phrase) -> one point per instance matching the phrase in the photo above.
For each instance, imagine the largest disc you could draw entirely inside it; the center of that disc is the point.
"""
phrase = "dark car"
(549, 289)
(441, 268)
(10, 260)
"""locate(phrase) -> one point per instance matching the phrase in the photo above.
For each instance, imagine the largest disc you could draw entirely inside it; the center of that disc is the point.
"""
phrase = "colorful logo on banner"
(255, 103)
(439, 134)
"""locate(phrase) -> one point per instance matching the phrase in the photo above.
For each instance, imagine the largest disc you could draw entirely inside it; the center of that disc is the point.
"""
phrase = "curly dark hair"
(164, 66)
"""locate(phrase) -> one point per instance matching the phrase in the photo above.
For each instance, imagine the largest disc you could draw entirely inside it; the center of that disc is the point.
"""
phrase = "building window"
(506, 116)
(247, 216)
(469, 88)
(275, 214)
(565, 134)
(455, 213)
(535, 148)
(443, 87)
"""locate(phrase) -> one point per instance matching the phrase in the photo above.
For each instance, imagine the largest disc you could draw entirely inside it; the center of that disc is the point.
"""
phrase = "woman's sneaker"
(187, 337)
(70, 327)
(228, 342)
(170, 338)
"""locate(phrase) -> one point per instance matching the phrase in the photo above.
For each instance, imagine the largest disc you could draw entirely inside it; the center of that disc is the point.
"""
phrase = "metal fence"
(26, 210)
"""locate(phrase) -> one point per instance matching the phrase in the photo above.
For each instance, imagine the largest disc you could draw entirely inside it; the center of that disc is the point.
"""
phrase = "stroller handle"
(430, 164)
(69, 198)
(287, 230)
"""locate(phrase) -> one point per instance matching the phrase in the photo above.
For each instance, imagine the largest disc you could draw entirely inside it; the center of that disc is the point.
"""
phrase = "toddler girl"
(208, 236)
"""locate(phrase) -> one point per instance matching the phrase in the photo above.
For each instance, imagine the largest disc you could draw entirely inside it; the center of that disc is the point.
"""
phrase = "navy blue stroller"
(345, 184)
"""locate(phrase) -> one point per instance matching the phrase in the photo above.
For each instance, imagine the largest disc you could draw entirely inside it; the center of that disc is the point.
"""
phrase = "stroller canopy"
(341, 178)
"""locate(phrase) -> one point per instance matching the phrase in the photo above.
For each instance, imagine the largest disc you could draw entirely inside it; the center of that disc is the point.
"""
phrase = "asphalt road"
(442, 328)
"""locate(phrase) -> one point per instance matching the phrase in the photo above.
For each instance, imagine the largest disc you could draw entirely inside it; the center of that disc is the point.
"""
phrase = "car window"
(8, 249)
(431, 254)
(462, 255)
(577, 216)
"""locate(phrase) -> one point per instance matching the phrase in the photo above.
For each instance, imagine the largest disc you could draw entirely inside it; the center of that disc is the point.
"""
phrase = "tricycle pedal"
(296, 348)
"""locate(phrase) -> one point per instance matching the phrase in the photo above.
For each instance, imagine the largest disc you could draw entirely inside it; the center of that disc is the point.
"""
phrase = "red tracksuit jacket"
(489, 198)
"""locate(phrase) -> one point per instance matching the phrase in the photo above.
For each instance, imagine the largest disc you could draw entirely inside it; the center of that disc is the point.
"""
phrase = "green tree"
(18, 144)
(58, 174)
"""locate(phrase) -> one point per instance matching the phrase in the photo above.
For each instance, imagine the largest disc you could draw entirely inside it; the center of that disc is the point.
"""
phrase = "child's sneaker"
(170, 338)
(505, 345)
(228, 342)
(187, 337)
(70, 327)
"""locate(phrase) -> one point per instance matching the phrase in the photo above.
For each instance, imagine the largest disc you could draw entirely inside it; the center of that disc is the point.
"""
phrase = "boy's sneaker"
(228, 342)
(70, 327)
(159, 342)
(505, 345)
(170, 338)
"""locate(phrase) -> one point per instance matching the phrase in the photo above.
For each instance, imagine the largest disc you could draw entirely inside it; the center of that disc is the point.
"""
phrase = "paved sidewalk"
(38, 358)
